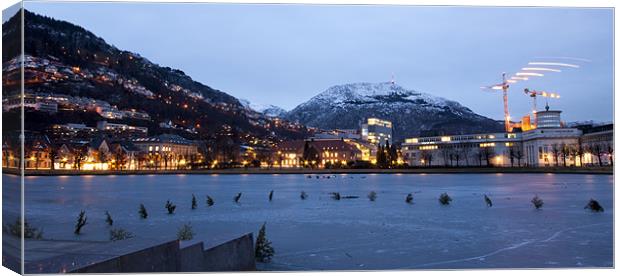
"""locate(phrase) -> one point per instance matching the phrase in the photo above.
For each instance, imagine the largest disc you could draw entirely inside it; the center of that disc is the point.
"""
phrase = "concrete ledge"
(234, 255)
(134, 255)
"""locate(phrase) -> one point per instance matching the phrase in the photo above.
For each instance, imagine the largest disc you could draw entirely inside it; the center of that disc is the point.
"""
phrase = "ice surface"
(320, 233)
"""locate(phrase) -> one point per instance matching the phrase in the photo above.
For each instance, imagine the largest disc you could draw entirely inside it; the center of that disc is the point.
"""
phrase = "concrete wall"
(234, 255)
(174, 256)
(161, 258)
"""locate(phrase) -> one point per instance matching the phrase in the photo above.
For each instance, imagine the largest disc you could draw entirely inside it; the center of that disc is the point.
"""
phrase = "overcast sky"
(286, 54)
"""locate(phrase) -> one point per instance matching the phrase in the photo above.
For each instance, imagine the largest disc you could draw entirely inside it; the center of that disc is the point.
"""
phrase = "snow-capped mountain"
(268, 110)
(413, 113)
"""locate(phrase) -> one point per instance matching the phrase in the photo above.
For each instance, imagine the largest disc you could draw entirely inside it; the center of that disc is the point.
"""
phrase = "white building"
(464, 150)
(549, 144)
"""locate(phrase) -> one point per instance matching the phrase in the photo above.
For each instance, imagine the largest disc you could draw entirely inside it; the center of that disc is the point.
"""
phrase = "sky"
(286, 54)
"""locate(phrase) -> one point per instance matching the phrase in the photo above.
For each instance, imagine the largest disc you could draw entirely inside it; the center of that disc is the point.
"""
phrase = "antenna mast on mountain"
(392, 81)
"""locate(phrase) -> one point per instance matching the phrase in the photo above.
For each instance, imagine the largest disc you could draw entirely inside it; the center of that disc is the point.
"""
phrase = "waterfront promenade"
(417, 170)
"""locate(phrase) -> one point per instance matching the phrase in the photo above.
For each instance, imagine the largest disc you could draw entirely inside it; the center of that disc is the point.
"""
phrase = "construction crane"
(504, 87)
(534, 93)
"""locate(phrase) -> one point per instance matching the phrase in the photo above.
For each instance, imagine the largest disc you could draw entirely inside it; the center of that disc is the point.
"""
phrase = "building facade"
(377, 131)
(166, 151)
(319, 153)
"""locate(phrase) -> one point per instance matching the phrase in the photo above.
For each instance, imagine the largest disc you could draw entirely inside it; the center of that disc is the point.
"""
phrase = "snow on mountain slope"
(413, 113)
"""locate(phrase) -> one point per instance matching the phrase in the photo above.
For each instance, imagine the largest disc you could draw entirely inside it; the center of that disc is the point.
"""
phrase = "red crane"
(504, 87)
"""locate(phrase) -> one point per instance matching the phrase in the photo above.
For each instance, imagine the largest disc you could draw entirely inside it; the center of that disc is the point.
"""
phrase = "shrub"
(594, 206)
(303, 195)
(488, 201)
(372, 196)
(194, 202)
(538, 202)
(142, 212)
(186, 232)
(409, 198)
(271, 195)
(237, 197)
(108, 218)
(444, 199)
(30, 232)
(170, 207)
(81, 221)
(263, 251)
(210, 201)
(336, 196)
(118, 234)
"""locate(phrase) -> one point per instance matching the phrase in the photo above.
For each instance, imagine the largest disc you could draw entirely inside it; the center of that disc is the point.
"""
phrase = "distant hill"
(413, 113)
(64, 58)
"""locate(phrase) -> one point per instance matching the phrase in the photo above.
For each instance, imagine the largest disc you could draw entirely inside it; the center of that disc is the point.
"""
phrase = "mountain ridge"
(346, 105)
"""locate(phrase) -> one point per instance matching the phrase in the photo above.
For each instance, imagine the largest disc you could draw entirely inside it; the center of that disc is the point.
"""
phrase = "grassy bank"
(569, 170)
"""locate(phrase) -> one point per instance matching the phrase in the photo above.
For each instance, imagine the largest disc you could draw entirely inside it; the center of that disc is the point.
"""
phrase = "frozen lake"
(353, 234)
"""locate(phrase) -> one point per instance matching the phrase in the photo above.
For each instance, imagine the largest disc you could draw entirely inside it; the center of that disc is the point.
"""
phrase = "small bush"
(594, 206)
(271, 195)
(118, 234)
(538, 202)
(444, 199)
(142, 212)
(263, 251)
(81, 221)
(210, 201)
(108, 218)
(372, 196)
(30, 232)
(194, 202)
(409, 198)
(237, 197)
(336, 196)
(303, 195)
(488, 201)
(170, 207)
(186, 232)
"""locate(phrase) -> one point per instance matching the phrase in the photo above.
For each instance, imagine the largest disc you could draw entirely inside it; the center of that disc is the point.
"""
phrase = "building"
(544, 147)
(598, 143)
(121, 128)
(548, 118)
(167, 151)
(377, 131)
(549, 144)
(320, 153)
(491, 149)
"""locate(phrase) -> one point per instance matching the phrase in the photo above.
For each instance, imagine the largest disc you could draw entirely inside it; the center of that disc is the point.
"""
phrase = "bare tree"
(445, 154)
(565, 152)
(488, 154)
(518, 154)
(457, 156)
(511, 154)
(579, 151)
(556, 151)
(427, 157)
(597, 150)
(465, 151)
(609, 148)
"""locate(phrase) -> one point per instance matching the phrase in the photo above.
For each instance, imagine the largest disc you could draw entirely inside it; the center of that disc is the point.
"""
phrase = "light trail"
(529, 74)
(569, 58)
(519, 78)
(540, 69)
(554, 64)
